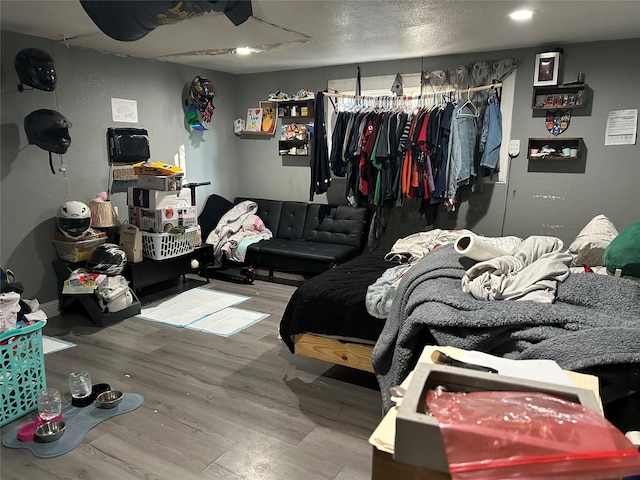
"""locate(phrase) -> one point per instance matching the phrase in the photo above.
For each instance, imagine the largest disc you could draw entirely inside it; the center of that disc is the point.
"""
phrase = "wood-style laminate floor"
(241, 407)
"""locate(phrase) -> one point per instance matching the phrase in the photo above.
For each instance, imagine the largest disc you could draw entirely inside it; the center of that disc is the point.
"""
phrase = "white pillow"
(587, 248)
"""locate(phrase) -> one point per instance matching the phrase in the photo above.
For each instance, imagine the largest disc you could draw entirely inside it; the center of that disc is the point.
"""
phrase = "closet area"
(426, 147)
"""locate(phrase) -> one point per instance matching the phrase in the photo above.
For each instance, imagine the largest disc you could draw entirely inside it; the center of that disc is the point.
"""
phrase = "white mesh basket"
(159, 246)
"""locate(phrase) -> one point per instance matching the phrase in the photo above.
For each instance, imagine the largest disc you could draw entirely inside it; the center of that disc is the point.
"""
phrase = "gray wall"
(541, 198)
(87, 80)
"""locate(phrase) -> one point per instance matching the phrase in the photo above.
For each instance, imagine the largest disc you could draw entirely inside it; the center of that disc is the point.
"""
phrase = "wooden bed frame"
(354, 355)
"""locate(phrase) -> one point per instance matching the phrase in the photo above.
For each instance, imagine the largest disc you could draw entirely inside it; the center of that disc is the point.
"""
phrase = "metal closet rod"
(465, 90)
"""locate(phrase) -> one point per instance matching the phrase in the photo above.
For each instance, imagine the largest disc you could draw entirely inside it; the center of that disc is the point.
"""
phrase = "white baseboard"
(50, 308)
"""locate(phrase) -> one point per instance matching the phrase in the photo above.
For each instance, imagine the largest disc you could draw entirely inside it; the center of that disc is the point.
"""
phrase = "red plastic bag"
(528, 435)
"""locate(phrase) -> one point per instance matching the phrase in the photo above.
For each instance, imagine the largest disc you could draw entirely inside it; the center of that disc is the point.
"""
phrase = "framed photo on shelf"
(268, 117)
(546, 69)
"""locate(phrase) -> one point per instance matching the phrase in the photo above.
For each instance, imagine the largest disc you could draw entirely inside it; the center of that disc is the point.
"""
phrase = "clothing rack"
(448, 90)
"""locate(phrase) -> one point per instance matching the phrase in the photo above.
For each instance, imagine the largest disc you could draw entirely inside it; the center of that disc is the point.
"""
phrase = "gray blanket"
(594, 321)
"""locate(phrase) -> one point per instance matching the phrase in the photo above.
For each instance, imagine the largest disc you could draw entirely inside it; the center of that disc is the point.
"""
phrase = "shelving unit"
(564, 97)
(558, 144)
(299, 112)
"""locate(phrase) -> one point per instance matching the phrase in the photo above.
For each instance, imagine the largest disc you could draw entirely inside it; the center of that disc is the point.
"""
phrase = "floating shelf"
(558, 143)
(296, 108)
(556, 97)
(252, 134)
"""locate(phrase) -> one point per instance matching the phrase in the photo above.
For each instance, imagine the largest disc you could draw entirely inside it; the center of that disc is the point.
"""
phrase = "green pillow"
(624, 252)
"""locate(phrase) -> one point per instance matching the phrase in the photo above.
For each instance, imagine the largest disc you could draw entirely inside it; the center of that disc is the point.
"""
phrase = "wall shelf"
(555, 97)
(252, 134)
(298, 112)
(558, 143)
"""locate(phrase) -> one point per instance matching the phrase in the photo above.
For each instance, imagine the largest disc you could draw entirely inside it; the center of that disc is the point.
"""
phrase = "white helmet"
(73, 219)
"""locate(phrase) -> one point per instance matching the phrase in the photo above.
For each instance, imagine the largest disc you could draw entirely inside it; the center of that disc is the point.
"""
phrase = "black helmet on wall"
(35, 68)
(48, 130)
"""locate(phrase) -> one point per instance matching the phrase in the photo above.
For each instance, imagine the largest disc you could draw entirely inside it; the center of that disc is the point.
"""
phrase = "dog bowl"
(50, 431)
(109, 399)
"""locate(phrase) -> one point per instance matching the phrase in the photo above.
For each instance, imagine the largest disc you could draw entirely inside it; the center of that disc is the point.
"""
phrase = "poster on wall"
(254, 119)
(546, 69)
(123, 110)
(268, 117)
(622, 127)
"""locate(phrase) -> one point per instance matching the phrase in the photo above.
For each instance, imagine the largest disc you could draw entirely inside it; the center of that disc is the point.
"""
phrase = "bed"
(592, 326)
(337, 294)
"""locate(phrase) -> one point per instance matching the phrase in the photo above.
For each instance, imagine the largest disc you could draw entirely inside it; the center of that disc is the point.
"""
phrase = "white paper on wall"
(124, 110)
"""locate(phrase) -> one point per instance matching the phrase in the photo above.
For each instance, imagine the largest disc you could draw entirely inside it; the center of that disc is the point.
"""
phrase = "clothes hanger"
(475, 113)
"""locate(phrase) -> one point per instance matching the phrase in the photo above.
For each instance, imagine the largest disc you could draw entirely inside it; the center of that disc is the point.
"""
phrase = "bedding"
(337, 294)
(594, 321)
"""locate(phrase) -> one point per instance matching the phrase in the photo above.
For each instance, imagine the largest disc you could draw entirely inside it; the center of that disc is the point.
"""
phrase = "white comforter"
(237, 229)
(531, 272)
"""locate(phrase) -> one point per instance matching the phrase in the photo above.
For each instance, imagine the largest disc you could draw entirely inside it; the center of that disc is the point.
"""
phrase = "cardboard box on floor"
(383, 439)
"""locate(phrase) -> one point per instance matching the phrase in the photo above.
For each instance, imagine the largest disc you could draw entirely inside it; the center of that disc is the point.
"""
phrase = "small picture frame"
(546, 69)
(268, 117)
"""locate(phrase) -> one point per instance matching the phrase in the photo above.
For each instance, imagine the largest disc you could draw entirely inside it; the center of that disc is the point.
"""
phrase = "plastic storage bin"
(159, 246)
(22, 373)
(77, 251)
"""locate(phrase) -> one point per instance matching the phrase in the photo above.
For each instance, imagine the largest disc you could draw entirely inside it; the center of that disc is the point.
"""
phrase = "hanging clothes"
(338, 165)
(391, 151)
(462, 145)
(320, 167)
(491, 135)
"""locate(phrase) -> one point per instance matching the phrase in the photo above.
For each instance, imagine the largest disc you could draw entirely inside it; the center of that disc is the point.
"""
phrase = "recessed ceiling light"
(521, 15)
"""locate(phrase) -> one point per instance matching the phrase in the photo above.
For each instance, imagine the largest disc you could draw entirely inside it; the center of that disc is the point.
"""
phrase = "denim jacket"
(491, 135)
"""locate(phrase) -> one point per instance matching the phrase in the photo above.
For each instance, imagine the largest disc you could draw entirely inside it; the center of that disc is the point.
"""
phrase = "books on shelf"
(82, 281)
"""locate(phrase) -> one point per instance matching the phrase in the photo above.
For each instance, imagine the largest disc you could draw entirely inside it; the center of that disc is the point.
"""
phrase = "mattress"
(333, 303)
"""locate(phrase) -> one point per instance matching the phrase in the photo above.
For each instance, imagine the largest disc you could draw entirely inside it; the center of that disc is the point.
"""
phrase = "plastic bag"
(528, 435)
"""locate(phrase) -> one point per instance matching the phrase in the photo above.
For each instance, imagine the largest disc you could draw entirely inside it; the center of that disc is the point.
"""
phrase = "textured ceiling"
(313, 33)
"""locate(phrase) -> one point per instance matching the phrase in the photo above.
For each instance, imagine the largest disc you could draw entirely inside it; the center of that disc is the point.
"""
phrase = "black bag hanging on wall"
(128, 145)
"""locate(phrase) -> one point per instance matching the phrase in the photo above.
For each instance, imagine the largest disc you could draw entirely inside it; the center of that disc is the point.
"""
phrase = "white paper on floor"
(187, 307)
(50, 344)
(228, 321)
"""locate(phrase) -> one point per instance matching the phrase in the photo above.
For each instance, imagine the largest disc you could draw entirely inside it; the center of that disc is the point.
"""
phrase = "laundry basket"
(159, 246)
(22, 373)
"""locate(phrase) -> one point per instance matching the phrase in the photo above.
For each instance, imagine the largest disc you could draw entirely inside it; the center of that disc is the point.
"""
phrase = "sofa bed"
(591, 325)
(289, 236)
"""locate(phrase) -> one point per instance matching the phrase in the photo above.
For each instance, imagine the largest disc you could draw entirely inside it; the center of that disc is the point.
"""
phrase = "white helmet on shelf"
(73, 219)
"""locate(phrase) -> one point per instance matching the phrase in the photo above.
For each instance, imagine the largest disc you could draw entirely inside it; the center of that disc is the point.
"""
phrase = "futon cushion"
(332, 224)
(313, 251)
(292, 220)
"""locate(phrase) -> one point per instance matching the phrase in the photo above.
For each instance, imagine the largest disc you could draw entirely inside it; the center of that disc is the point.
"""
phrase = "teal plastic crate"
(22, 373)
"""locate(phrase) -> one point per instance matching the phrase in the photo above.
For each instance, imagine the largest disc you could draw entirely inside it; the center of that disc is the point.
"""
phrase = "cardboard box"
(418, 433)
(164, 219)
(78, 250)
(155, 199)
(160, 182)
